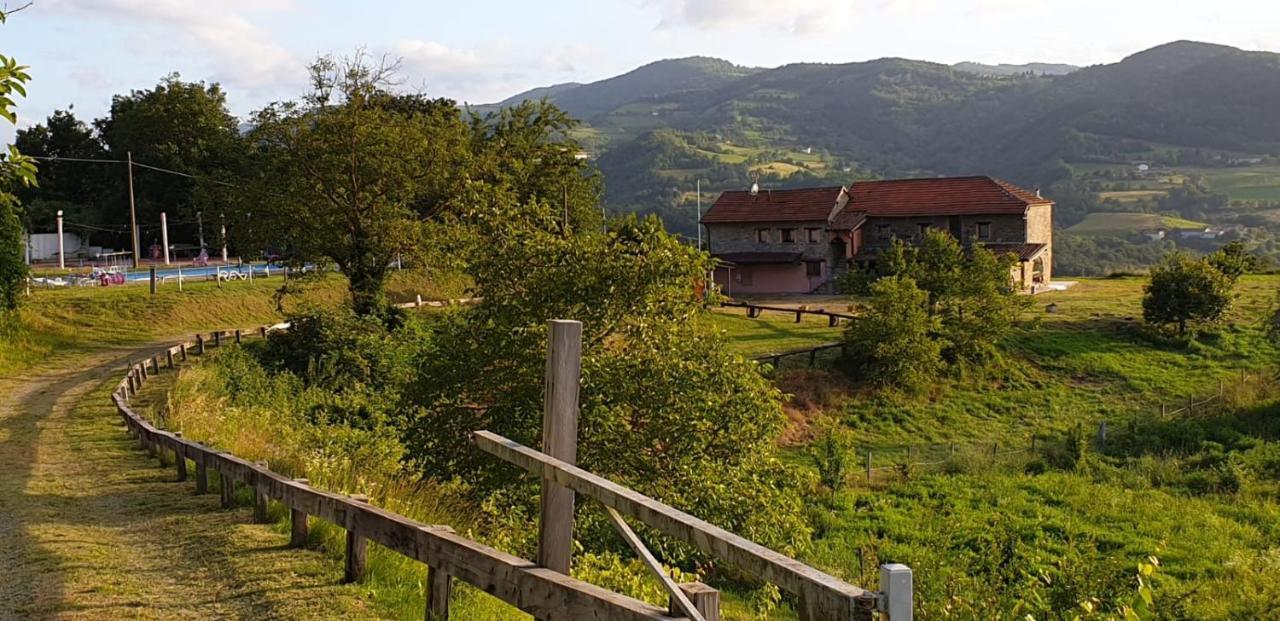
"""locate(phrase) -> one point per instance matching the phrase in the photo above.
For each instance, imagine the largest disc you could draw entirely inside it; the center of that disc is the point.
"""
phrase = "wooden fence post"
(168, 354)
(439, 589)
(813, 357)
(180, 460)
(237, 337)
(1191, 405)
(868, 465)
(200, 344)
(202, 475)
(182, 349)
(559, 440)
(705, 599)
(298, 523)
(260, 499)
(357, 550)
(228, 490)
(832, 321)
(262, 331)
(217, 338)
(799, 314)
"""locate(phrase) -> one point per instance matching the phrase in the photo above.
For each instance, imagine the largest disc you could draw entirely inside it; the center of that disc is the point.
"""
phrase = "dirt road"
(91, 528)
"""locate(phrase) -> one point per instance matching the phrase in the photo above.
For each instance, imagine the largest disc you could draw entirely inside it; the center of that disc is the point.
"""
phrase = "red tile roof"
(800, 205)
(950, 196)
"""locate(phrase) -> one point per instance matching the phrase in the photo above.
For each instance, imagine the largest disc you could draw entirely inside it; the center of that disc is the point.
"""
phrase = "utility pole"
(698, 222)
(164, 236)
(62, 261)
(133, 213)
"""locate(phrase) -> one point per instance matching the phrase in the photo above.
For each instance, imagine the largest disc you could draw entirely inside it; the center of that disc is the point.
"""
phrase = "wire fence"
(889, 461)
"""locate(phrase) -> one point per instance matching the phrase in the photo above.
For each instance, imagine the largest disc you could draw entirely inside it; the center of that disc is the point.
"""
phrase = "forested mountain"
(658, 129)
(1007, 69)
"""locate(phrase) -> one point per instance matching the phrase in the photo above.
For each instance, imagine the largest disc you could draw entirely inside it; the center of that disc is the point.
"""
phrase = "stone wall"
(727, 238)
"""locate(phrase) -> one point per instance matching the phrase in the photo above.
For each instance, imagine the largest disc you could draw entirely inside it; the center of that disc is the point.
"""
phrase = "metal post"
(153, 280)
(896, 591)
(868, 465)
(223, 219)
(62, 261)
(164, 236)
(560, 440)
(133, 213)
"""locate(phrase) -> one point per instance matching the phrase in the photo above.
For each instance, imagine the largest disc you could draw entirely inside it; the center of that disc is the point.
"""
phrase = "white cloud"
(486, 73)
(810, 17)
(241, 54)
(794, 16)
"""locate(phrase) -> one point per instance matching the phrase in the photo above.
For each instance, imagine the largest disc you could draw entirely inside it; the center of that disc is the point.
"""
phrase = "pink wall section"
(782, 278)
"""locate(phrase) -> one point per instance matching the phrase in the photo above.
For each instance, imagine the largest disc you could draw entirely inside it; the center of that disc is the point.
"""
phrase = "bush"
(893, 341)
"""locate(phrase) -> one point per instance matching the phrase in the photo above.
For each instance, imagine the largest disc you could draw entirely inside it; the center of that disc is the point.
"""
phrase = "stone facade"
(878, 232)
(726, 238)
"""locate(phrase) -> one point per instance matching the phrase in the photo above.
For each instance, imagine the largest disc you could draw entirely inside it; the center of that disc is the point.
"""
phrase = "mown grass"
(72, 320)
(1018, 535)
(771, 332)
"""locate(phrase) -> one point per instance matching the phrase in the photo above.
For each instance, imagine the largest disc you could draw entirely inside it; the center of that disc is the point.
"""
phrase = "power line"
(135, 163)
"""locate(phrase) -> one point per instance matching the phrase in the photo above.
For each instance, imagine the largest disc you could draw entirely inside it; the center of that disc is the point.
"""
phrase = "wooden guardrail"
(542, 592)
(542, 589)
(754, 310)
(776, 358)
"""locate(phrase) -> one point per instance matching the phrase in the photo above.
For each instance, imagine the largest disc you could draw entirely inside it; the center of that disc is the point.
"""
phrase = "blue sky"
(84, 51)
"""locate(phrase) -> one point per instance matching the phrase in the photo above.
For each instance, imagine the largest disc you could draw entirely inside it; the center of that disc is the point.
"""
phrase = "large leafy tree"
(345, 174)
(1186, 292)
(180, 126)
(969, 292)
(665, 406)
(83, 191)
(15, 170)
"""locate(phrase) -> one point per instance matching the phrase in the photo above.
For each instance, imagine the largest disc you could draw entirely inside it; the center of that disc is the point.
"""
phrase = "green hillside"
(1204, 118)
(1129, 223)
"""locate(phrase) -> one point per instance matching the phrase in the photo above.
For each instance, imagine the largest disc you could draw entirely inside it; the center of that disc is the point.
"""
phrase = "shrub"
(833, 456)
(894, 340)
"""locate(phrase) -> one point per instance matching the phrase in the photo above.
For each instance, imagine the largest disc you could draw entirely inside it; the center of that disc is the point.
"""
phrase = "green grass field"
(992, 539)
(1104, 223)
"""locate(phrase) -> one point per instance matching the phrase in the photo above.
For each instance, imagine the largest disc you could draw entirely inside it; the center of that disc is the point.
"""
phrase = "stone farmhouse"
(800, 240)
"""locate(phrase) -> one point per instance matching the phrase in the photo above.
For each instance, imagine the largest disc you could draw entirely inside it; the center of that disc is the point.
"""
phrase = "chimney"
(1038, 193)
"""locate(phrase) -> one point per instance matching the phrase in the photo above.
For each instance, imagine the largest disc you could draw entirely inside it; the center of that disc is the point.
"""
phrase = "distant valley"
(1202, 120)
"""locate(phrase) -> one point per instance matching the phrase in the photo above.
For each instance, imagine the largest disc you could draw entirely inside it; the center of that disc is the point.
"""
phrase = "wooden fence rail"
(535, 588)
(754, 310)
(776, 358)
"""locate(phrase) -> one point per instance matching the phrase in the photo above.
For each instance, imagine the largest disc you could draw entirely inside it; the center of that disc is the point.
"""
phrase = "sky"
(81, 52)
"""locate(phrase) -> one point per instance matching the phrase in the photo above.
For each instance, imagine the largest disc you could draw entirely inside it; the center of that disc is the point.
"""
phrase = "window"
(762, 236)
(984, 230)
(815, 235)
(813, 268)
(921, 229)
(883, 231)
(788, 236)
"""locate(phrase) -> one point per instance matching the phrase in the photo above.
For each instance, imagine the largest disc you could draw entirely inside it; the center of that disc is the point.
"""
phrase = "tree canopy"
(1186, 292)
(16, 170)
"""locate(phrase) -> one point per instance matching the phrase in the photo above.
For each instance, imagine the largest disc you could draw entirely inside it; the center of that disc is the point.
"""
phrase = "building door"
(953, 223)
